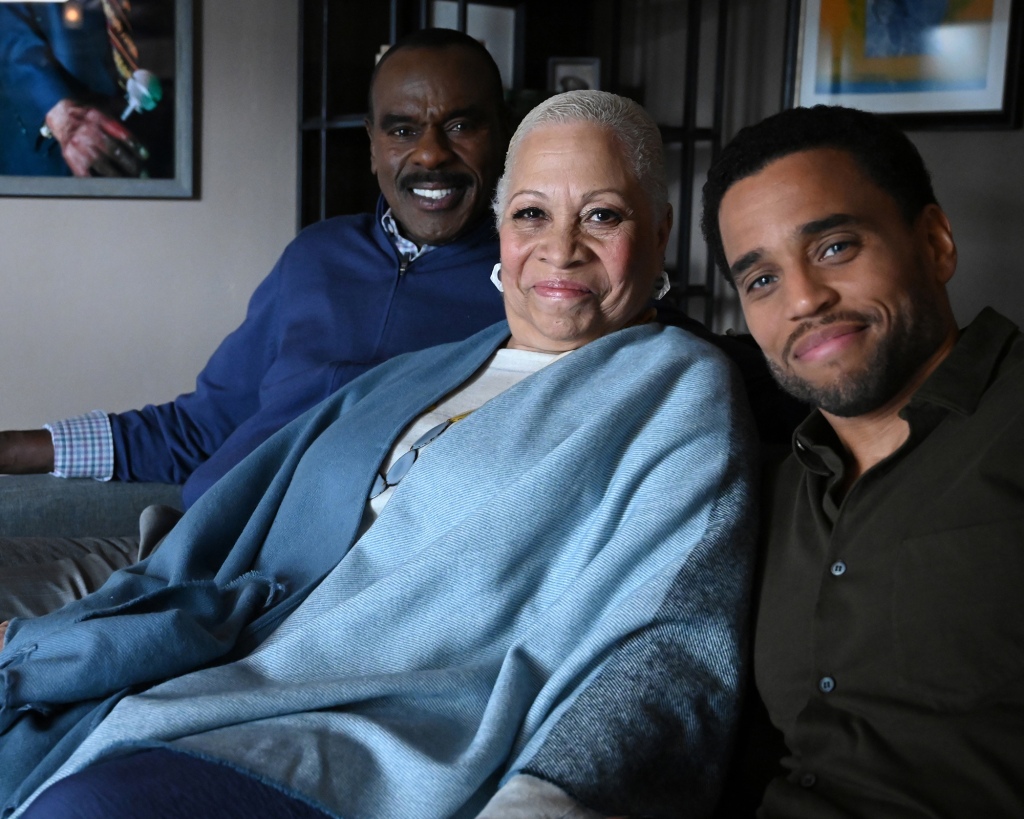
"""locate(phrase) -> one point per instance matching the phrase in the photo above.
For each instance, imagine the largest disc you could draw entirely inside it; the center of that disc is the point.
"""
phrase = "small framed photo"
(925, 64)
(574, 74)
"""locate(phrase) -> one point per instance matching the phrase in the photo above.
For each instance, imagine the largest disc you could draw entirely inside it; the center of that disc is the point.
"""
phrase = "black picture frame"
(997, 105)
(178, 47)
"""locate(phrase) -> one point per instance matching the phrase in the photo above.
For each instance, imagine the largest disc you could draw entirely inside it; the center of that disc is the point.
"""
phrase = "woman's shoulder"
(648, 365)
(664, 344)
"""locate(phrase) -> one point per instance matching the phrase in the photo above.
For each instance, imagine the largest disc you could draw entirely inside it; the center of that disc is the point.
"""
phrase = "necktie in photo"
(122, 44)
(142, 88)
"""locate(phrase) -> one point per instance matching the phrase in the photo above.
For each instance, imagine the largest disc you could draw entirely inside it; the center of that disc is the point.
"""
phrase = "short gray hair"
(632, 126)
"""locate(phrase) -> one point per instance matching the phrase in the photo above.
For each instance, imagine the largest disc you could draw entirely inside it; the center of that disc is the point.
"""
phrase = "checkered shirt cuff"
(83, 447)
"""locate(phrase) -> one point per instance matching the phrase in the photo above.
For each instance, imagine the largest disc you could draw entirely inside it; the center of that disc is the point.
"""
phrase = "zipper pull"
(403, 264)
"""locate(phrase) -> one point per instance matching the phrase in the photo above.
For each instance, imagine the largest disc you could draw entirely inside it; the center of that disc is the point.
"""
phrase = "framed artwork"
(927, 63)
(497, 24)
(96, 98)
(573, 74)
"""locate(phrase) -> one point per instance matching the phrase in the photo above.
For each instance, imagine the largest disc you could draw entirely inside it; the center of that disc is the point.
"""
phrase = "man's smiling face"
(845, 298)
(437, 140)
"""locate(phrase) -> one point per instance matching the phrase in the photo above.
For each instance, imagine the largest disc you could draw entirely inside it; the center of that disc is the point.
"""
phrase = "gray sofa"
(45, 506)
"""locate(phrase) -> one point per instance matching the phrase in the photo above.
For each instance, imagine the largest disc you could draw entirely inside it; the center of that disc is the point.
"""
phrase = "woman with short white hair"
(510, 570)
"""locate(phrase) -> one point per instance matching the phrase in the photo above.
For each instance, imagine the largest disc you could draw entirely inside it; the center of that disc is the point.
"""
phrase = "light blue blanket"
(557, 588)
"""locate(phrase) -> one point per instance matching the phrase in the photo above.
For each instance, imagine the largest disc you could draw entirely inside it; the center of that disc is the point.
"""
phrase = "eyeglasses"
(400, 468)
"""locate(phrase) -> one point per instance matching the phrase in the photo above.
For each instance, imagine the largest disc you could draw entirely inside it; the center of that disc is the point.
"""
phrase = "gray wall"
(979, 180)
(114, 303)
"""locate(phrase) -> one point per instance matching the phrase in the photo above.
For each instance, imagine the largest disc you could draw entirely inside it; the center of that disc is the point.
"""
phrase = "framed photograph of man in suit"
(96, 98)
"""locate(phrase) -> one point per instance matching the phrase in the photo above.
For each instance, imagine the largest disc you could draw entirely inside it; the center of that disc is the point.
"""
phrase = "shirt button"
(838, 568)
(808, 780)
(826, 685)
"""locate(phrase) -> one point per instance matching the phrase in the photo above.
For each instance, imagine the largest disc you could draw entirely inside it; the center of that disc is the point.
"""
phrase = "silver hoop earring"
(496, 277)
(664, 285)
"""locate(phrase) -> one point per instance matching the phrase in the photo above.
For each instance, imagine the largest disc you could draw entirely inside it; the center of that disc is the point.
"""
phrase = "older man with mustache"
(347, 294)
(888, 644)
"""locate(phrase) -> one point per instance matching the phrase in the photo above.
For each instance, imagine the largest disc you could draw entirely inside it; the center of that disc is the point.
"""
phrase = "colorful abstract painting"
(936, 55)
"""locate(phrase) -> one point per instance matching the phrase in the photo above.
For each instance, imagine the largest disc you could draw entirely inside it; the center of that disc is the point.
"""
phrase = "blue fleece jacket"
(335, 305)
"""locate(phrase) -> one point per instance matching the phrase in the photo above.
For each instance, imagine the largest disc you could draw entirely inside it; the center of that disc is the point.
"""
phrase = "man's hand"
(3, 632)
(94, 144)
(26, 452)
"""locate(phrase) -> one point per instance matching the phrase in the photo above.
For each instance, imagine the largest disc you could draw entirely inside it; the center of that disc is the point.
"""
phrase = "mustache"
(832, 318)
(444, 179)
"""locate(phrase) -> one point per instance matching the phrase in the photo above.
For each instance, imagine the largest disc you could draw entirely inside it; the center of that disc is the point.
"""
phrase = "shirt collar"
(407, 248)
(956, 385)
(816, 445)
(962, 378)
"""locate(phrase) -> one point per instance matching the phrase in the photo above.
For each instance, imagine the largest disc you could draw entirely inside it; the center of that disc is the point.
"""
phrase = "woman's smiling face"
(580, 245)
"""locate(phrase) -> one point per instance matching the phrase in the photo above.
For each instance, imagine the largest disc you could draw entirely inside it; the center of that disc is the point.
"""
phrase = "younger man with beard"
(889, 649)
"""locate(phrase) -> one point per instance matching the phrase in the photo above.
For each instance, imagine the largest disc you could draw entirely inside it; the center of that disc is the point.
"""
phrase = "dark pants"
(163, 784)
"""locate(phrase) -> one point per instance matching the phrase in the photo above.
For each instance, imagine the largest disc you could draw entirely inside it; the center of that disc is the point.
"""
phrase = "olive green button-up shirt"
(889, 646)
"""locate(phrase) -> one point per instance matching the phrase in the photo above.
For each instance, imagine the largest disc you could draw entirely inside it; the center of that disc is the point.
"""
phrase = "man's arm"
(29, 72)
(166, 442)
(24, 452)
(79, 447)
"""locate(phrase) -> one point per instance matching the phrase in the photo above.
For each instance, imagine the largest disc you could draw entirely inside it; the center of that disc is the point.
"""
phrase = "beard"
(916, 333)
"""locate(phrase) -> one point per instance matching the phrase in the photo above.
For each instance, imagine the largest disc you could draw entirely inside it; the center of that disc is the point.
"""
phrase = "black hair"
(439, 39)
(880, 149)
